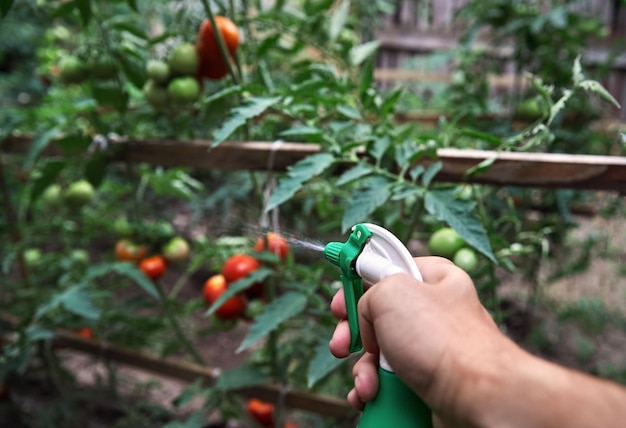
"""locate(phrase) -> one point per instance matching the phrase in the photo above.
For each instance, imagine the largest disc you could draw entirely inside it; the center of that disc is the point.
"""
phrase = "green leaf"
(125, 269)
(365, 201)
(110, 94)
(84, 9)
(133, 67)
(73, 144)
(5, 5)
(459, 215)
(36, 332)
(45, 175)
(277, 312)
(222, 94)
(302, 130)
(128, 24)
(577, 72)
(360, 53)
(38, 145)
(237, 287)
(338, 20)
(240, 115)
(322, 363)
(350, 112)
(360, 170)
(380, 146)
(481, 167)
(74, 299)
(133, 5)
(597, 88)
(243, 376)
(95, 168)
(431, 172)
(299, 173)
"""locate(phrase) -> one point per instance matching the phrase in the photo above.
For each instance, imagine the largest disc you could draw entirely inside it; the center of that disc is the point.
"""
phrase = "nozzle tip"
(332, 251)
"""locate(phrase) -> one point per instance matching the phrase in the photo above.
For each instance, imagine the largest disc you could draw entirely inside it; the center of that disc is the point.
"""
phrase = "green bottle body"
(395, 405)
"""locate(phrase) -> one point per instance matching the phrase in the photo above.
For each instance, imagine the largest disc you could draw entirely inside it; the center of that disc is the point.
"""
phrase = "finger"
(365, 373)
(434, 269)
(338, 305)
(340, 342)
(354, 400)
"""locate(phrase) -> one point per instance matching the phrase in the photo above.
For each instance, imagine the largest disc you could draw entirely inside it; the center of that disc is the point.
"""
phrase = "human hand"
(430, 332)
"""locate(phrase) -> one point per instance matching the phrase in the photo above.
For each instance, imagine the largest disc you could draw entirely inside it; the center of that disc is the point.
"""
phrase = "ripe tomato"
(214, 287)
(153, 267)
(445, 242)
(261, 411)
(126, 250)
(85, 333)
(238, 266)
(212, 64)
(466, 259)
(176, 250)
(275, 244)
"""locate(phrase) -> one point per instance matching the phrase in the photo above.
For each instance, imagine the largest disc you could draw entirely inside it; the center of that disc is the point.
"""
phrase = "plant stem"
(180, 335)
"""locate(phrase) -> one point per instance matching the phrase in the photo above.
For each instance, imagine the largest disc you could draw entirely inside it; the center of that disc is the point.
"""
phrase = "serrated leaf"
(297, 175)
(415, 172)
(222, 94)
(134, 69)
(359, 171)
(365, 201)
(380, 146)
(350, 112)
(322, 364)
(431, 172)
(360, 53)
(459, 215)
(577, 71)
(125, 269)
(338, 20)
(39, 144)
(597, 88)
(277, 312)
(79, 302)
(95, 168)
(303, 130)
(240, 115)
(559, 105)
(110, 94)
(243, 376)
(237, 287)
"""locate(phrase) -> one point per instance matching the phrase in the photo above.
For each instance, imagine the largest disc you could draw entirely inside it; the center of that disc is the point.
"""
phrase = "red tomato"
(212, 64)
(261, 411)
(232, 308)
(153, 267)
(239, 266)
(275, 244)
(85, 333)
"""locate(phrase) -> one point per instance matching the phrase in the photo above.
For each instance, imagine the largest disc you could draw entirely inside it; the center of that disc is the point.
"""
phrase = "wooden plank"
(542, 170)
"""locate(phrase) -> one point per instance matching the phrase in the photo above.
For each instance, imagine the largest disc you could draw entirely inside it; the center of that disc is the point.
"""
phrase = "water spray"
(370, 254)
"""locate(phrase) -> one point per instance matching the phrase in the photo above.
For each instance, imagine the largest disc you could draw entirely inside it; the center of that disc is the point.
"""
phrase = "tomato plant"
(127, 250)
(232, 308)
(261, 411)
(212, 64)
(273, 243)
(154, 267)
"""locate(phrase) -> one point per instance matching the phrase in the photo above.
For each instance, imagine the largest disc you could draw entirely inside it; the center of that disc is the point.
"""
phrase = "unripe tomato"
(154, 267)
(103, 68)
(122, 227)
(79, 257)
(275, 244)
(213, 288)
(445, 242)
(184, 60)
(73, 70)
(51, 196)
(183, 89)
(32, 257)
(261, 411)
(176, 250)
(78, 194)
(156, 95)
(127, 250)
(212, 64)
(158, 70)
(466, 259)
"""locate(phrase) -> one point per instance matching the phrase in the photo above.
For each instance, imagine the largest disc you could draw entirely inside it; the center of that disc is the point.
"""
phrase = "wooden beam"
(542, 170)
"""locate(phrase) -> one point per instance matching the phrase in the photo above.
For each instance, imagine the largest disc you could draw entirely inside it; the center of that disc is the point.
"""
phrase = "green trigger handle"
(345, 255)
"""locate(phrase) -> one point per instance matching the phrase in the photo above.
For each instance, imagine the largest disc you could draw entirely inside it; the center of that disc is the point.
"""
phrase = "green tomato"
(51, 196)
(445, 242)
(32, 257)
(176, 250)
(79, 257)
(158, 70)
(466, 259)
(73, 70)
(122, 227)
(184, 89)
(104, 69)
(156, 95)
(184, 59)
(78, 194)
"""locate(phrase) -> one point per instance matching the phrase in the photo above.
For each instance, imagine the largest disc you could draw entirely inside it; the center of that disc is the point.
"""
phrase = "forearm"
(521, 390)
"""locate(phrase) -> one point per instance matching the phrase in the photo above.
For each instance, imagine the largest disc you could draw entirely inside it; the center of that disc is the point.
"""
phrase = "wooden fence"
(420, 28)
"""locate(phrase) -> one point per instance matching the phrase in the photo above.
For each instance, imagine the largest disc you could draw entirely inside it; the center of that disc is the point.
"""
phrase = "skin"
(443, 343)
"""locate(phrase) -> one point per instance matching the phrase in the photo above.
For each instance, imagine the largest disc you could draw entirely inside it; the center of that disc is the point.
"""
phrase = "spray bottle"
(370, 254)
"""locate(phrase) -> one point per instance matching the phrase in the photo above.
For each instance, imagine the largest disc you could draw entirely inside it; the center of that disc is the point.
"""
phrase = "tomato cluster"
(446, 242)
(75, 69)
